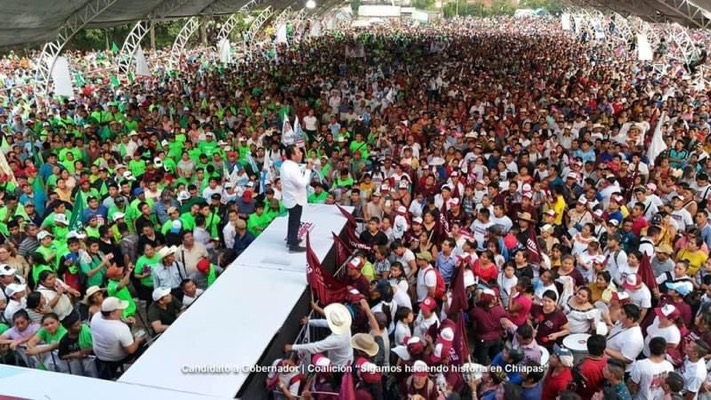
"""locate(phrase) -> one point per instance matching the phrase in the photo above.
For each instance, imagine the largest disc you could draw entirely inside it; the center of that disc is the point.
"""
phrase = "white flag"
(224, 47)
(316, 29)
(62, 79)
(288, 135)
(643, 48)
(141, 64)
(565, 22)
(657, 146)
(298, 133)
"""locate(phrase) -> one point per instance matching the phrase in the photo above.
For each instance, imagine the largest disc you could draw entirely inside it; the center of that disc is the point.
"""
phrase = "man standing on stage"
(294, 183)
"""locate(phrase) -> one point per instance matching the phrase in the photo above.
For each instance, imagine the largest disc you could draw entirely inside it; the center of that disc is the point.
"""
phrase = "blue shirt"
(532, 393)
(446, 265)
(241, 243)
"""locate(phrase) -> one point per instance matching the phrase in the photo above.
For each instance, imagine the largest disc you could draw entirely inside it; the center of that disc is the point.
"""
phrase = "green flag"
(79, 79)
(114, 48)
(114, 80)
(75, 223)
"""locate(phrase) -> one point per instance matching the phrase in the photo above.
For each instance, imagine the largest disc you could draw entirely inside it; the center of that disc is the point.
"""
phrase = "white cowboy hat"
(338, 318)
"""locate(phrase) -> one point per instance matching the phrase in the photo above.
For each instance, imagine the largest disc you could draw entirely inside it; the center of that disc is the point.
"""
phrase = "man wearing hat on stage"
(338, 343)
(294, 182)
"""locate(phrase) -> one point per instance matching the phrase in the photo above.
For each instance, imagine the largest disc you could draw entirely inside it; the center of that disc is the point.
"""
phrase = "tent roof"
(39, 21)
(692, 14)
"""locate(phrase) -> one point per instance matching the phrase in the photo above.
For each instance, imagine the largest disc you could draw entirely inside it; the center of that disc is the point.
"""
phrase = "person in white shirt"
(680, 214)
(338, 343)
(294, 183)
(426, 318)
(112, 339)
(625, 340)
(647, 376)
(426, 280)
(16, 293)
(664, 325)
(694, 368)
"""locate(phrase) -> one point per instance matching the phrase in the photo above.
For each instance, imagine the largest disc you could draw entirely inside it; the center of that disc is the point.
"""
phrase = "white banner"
(565, 22)
(578, 23)
(281, 34)
(644, 50)
(62, 79)
(141, 64)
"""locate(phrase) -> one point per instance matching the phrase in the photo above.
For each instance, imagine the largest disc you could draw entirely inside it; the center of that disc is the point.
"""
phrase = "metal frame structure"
(688, 11)
(229, 25)
(257, 25)
(181, 40)
(138, 32)
(51, 50)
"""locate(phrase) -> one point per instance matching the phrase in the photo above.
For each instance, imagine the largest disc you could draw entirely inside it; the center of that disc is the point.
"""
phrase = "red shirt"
(591, 370)
(638, 225)
(488, 322)
(521, 315)
(554, 384)
(487, 274)
(547, 324)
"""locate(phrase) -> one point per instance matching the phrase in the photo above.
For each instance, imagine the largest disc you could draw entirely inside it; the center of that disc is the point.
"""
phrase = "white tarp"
(281, 34)
(565, 22)
(421, 16)
(62, 79)
(141, 64)
(644, 49)
(378, 11)
(578, 23)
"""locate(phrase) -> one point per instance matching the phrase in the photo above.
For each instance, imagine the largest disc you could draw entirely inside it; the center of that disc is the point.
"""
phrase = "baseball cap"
(203, 265)
(137, 191)
(355, 263)
(76, 235)
(632, 281)
(419, 369)
(668, 311)
(428, 304)
(128, 175)
(564, 355)
(417, 220)
(6, 270)
(622, 297)
(43, 234)
(117, 216)
(681, 287)
(158, 293)
(112, 304)
(14, 288)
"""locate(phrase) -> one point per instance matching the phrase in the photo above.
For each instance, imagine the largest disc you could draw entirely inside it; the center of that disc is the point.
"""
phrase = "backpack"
(440, 289)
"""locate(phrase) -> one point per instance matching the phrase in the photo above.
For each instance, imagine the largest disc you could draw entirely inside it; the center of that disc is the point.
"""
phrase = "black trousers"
(292, 236)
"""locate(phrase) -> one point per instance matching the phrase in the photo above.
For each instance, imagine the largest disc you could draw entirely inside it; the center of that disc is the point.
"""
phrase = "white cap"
(129, 175)
(6, 270)
(583, 200)
(77, 235)
(43, 234)
(14, 288)
(157, 162)
(117, 216)
(112, 304)
(60, 219)
(160, 292)
(184, 195)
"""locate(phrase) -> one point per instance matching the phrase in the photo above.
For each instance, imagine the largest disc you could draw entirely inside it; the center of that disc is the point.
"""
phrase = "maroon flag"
(351, 219)
(460, 345)
(347, 391)
(327, 289)
(443, 223)
(343, 251)
(534, 252)
(459, 291)
(646, 273)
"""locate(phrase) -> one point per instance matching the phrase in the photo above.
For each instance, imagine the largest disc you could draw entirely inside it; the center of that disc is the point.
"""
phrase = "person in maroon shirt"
(419, 383)
(591, 368)
(559, 374)
(550, 323)
(486, 323)
(357, 280)
(676, 292)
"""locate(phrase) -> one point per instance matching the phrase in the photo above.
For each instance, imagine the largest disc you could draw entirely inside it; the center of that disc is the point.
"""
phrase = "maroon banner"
(534, 253)
(343, 251)
(460, 300)
(347, 391)
(327, 289)
(646, 272)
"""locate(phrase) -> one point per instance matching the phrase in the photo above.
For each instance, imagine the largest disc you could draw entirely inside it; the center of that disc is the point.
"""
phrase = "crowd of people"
(503, 155)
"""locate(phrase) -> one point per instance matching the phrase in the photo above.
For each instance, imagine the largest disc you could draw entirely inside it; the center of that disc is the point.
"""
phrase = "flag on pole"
(460, 300)
(352, 238)
(646, 272)
(266, 175)
(460, 344)
(298, 133)
(75, 222)
(534, 252)
(347, 391)
(252, 163)
(288, 136)
(326, 288)
(343, 251)
(114, 48)
(657, 146)
(114, 80)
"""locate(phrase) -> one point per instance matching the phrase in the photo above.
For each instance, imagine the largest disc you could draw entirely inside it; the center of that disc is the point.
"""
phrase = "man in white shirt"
(426, 318)
(338, 343)
(625, 340)
(647, 375)
(294, 183)
(112, 339)
(694, 369)
(426, 280)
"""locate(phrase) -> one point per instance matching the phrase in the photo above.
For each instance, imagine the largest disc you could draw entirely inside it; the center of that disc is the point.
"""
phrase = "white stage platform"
(234, 321)
(26, 383)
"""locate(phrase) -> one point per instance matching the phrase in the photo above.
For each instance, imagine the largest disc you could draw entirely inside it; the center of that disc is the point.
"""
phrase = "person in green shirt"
(77, 344)
(273, 209)
(93, 263)
(209, 145)
(92, 228)
(137, 165)
(212, 220)
(188, 218)
(359, 145)
(11, 209)
(118, 287)
(319, 195)
(47, 249)
(46, 339)
(258, 222)
(145, 265)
